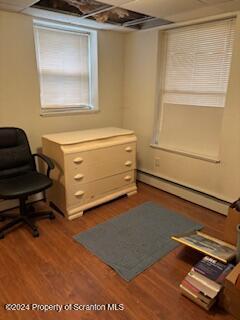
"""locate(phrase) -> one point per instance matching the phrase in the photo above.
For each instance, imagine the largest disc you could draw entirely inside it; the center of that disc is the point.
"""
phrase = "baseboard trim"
(184, 192)
(10, 204)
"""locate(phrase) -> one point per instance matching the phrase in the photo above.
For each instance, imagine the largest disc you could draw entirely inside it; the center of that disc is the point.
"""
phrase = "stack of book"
(203, 283)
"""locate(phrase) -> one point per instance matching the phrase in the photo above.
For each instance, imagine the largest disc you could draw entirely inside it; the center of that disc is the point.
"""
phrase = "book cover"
(213, 269)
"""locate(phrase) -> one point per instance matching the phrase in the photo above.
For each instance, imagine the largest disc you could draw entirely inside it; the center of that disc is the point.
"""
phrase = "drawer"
(93, 165)
(94, 190)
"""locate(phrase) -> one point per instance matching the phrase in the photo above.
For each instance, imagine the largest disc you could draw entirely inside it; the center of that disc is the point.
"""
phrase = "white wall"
(221, 180)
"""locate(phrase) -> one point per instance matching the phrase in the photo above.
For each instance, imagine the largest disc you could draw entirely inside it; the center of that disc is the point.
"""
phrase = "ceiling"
(178, 10)
(169, 11)
(15, 5)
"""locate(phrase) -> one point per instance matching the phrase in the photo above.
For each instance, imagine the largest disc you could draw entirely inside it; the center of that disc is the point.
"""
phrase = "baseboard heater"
(187, 193)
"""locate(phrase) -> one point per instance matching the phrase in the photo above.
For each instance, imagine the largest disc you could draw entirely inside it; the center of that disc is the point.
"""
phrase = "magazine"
(208, 245)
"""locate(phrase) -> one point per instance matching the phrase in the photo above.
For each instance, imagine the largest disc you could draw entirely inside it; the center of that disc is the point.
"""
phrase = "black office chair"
(19, 179)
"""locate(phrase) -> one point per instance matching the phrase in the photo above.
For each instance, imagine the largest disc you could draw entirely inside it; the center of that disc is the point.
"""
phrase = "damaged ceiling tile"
(101, 12)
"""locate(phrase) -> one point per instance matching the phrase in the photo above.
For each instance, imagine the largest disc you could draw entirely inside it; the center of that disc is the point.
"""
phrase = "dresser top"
(72, 137)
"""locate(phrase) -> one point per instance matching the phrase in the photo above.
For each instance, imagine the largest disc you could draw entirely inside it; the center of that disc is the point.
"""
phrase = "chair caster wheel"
(1, 236)
(51, 216)
(35, 233)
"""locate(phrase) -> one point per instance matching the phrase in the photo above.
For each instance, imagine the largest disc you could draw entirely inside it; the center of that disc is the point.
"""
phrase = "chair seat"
(23, 185)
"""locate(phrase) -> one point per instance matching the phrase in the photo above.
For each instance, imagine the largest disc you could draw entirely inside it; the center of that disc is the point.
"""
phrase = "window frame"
(93, 68)
(160, 80)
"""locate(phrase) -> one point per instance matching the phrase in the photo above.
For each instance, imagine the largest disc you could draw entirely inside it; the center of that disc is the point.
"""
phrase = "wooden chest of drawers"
(92, 167)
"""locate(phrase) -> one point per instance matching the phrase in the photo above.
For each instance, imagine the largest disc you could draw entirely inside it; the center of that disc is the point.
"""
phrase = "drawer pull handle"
(78, 177)
(127, 178)
(79, 193)
(128, 163)
(78, 160)
(128, 149)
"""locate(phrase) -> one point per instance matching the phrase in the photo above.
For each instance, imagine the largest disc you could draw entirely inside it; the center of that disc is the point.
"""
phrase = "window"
(198, 60)
(194, 63)
(67, 64)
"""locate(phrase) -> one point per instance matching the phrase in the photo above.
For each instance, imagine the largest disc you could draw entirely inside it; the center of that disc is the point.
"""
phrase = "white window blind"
(197, 64)
(64, 63)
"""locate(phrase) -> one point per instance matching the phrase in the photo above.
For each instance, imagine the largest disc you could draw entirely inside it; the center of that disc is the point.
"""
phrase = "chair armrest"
(47, 160)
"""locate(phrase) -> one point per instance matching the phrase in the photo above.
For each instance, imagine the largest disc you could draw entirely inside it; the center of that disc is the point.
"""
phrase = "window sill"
(67, 112)
(186, 154)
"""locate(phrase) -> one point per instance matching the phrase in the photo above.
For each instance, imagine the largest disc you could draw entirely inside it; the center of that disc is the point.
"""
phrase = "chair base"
(27, 217)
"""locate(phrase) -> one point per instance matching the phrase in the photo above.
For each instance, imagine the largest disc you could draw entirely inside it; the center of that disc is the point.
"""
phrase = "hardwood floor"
(54, 269)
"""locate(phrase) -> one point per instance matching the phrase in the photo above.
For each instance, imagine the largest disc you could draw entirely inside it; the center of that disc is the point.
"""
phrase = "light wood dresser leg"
(129, 194)
(76, 215)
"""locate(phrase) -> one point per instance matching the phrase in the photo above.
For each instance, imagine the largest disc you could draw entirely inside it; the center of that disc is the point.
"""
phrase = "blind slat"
(198, 60)
(63, 60)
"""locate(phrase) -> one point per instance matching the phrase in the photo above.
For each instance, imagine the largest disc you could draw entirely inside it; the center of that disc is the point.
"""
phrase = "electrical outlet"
(157, 162)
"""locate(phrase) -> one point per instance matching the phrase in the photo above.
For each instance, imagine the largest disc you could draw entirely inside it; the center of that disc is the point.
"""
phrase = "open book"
(211, 246)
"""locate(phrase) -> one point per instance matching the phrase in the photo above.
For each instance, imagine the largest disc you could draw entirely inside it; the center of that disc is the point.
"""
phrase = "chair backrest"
(15, 153)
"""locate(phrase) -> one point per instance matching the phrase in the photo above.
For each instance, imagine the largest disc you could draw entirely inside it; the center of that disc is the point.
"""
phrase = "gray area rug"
(133, 241)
